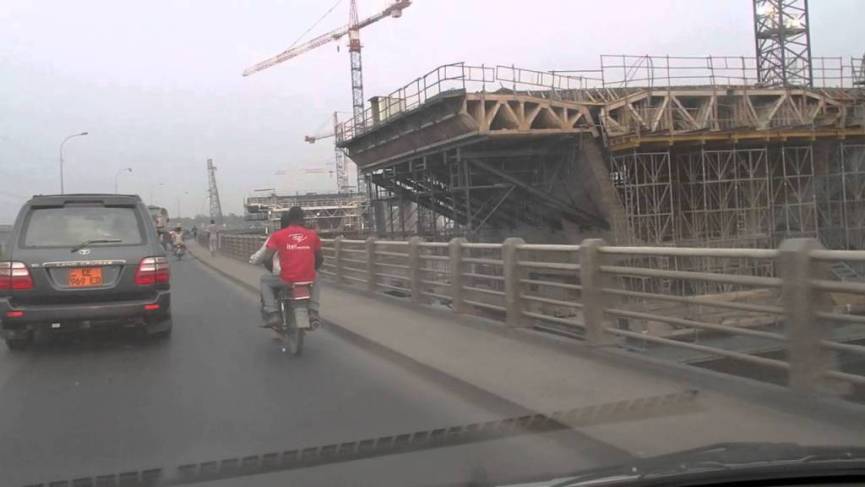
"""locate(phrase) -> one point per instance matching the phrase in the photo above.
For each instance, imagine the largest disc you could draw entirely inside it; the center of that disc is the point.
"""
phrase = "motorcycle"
(179, 251)
(293, 302)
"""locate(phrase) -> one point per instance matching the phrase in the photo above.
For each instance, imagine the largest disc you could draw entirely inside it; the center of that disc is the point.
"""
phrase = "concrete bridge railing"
(777, 310)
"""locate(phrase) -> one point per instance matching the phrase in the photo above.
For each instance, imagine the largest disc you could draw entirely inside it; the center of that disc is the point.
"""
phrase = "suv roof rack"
(104, 198)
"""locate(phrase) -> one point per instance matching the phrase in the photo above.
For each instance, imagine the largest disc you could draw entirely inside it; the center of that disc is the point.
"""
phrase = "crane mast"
(357, 99)
(213, 193)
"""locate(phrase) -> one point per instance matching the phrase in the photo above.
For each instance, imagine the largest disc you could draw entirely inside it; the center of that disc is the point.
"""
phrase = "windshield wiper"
(91, 242)
(723, 457)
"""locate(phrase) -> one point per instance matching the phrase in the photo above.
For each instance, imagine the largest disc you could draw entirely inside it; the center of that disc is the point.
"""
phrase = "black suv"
(83, 261)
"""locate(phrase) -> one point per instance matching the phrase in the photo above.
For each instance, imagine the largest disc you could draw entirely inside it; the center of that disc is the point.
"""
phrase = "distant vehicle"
(80, 262)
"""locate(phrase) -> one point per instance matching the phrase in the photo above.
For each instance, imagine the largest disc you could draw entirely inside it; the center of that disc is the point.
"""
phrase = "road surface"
(219, 388)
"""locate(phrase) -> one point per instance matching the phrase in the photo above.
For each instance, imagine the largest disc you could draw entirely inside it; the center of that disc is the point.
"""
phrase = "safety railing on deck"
(617, 76)
(778, 311)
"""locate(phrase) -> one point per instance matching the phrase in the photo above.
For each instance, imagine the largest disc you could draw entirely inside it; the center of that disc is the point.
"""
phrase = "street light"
(61, 156)
(157, 185)
(117, 175)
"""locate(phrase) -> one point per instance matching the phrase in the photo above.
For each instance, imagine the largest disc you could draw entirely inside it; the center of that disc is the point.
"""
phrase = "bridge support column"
(455, 250)
(512, 274)
(594, 300)
(809, 361)
(337, 260)
(414, 274)
(371, 268)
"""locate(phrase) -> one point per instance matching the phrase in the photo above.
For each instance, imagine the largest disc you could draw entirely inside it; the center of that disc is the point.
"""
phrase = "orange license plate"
(85, 277)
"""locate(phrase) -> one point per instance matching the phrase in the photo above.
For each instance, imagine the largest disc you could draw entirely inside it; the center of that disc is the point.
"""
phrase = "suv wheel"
(18, 343)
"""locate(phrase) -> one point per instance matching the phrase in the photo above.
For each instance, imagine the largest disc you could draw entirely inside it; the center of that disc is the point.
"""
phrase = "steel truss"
(708, 110)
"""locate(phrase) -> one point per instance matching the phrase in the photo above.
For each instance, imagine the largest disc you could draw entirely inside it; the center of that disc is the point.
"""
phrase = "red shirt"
(296, 247)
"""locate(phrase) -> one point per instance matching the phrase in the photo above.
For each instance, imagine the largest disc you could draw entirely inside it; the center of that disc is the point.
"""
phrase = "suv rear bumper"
(83, 316)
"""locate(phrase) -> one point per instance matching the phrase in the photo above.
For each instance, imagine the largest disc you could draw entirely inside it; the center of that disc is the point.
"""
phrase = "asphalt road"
(220, 388)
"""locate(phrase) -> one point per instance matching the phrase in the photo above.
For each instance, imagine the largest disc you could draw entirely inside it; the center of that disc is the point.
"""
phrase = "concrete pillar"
(801, 301)
(513, 288)
(371, 268)
(456, 272)
(414, 273)
(594, 301)
(337, 259)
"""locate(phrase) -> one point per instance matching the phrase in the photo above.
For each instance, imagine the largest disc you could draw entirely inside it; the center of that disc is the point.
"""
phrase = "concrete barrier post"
(455, 250)
(513, 287)
(809, 361)
(414, 273)
(337, 259)
(594, 301)
(371, 268)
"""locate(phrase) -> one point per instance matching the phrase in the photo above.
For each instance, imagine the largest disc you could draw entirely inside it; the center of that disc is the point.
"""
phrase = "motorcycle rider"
(176, 237)
(295, 254)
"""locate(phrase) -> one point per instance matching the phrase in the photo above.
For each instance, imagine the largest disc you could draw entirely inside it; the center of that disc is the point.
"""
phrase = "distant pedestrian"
(194, 232)
(213, 238)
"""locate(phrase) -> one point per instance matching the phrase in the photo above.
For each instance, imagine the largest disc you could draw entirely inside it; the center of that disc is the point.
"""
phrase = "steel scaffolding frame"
(841, 204)
(723, 198)
(644, 181)
(793, 190)
(329, 214)
(744, 196)
(478, 190)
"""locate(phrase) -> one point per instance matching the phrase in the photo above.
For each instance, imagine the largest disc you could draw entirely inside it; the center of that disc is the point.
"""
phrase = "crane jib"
(394, 10)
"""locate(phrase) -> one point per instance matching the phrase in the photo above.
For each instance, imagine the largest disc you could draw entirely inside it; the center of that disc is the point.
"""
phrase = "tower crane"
(352, 30)
(342, 185)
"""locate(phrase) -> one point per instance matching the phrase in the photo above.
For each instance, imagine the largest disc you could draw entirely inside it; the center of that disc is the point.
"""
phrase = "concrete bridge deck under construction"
(639, 157)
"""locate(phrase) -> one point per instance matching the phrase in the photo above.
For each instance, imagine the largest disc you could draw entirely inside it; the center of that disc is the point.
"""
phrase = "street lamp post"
(157, 185)
(61, 156)
(117, 175)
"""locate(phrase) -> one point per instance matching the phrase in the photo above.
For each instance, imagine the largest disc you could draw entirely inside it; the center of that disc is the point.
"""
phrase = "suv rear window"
(72, 225)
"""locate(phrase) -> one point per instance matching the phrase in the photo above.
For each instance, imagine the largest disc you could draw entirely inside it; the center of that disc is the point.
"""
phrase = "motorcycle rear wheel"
(292, 336)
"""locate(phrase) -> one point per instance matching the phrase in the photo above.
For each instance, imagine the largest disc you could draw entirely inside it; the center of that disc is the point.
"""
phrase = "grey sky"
(158, 83)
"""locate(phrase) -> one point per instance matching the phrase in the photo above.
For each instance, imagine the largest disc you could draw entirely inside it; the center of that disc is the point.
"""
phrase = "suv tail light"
(152, 270)
(15, 276)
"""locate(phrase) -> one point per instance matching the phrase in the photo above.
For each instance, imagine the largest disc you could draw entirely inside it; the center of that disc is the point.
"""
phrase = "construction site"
(727, 156)
(643, 150)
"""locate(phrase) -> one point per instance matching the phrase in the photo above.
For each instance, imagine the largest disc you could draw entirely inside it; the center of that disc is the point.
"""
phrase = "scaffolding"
(746, 196)
(841, 203)
(491, 190)
(651, 150)
(328, 214)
